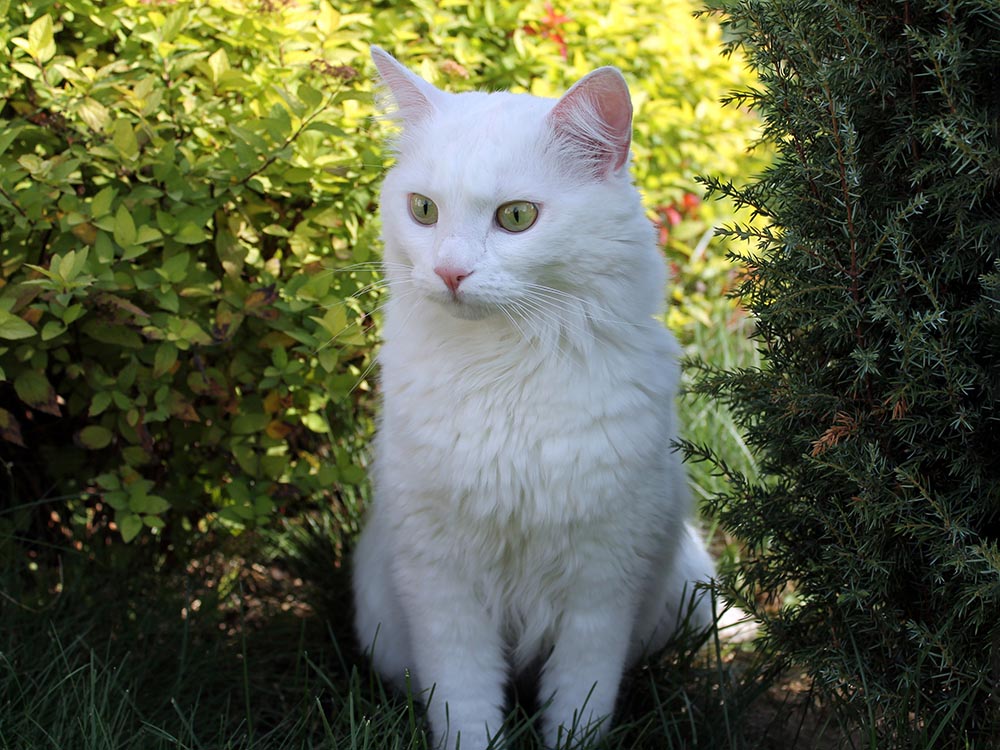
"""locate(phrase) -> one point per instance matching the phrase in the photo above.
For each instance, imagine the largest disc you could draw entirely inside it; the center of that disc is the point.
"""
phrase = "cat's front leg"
(459, 658)
(582, 675)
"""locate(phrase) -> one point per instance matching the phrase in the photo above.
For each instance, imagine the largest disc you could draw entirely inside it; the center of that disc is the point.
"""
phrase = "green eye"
(517, 216)
(423, 209)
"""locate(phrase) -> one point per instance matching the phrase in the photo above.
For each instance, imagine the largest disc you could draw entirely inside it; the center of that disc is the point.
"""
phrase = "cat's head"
(514, 205)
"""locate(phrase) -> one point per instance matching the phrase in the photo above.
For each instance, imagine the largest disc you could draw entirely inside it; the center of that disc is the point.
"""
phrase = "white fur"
(529, 509)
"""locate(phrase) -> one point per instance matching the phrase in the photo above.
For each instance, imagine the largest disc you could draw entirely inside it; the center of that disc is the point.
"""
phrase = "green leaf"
(164, 359)
(95, 437)
(34, 389)
(147, 233)
(243, 511)
(189, 234)
(263, 506)
(328, 358)
(247, 459)
(175, 267)
(7, 137)
(73, 313)
(104, 249)
(10, 429)
(279, 123)
(101, 204)
(124, 231)
(154, 522)
(143, 503)
(114, 334)
(117, 499)
(315, 422)
(186, 331)
(108, 481)
(52, 329)
(129, 524)
(123, 138)
(70, 264)
(279, 356)
(246, 424)
(13, 327)
(99, 403)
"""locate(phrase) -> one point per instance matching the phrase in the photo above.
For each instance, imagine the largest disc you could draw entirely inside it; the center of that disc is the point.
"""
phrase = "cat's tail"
(687, 603)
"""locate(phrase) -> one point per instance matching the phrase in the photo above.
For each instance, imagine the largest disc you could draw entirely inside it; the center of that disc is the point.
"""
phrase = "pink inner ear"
(595, 119)
(409, 92)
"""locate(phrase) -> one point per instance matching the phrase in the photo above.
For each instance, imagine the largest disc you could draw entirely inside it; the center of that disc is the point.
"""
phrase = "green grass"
(116, 662)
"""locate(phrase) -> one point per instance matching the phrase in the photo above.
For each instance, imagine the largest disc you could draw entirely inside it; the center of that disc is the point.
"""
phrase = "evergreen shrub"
(186, 201)
(873, 556)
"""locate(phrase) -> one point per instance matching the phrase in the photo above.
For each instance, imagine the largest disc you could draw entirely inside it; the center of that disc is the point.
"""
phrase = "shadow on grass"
(254, 650)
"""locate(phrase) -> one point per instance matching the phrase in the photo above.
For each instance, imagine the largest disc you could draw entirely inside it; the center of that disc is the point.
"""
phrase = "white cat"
(530, 512)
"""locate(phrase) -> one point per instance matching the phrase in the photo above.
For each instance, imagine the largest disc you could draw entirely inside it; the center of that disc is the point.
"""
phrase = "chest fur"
(524, 441)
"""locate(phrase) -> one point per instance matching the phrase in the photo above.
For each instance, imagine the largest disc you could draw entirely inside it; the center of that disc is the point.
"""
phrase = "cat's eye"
(423, 209)
(517, 216)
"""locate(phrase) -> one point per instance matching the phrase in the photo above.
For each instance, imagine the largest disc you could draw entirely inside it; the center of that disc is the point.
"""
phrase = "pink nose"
(452, 277)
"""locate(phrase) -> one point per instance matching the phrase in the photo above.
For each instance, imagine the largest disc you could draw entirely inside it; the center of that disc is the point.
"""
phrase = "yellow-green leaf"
(315, 422)
(94, 114)
(218, 64)
(41, 40)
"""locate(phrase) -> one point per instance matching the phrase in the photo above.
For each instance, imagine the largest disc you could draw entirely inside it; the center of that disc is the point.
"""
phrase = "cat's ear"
(408, 97)
(593, 122)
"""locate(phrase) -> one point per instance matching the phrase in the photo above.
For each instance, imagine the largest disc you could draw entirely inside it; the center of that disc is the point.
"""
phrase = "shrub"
(177, 183)
(186, 193)
(874, 557)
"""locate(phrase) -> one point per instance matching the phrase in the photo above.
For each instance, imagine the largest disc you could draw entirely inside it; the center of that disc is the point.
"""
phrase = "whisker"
(380, 285)
(374, 361)
(558, 308)
(549, 316)
(365, 313)
(588, 304)
(371, 266)
(374, 286)
(364, 375)
(517, 326)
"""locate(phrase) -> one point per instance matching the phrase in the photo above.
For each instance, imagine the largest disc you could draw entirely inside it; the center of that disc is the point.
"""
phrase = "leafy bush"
(186, 193)
(876, 291)
(176, 184)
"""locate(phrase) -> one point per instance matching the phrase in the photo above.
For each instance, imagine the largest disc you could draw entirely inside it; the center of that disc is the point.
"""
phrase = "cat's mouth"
(464, 304)
(461, 306)
(459, 297)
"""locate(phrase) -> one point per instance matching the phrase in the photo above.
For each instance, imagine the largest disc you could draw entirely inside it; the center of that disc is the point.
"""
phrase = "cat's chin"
(466, 310)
